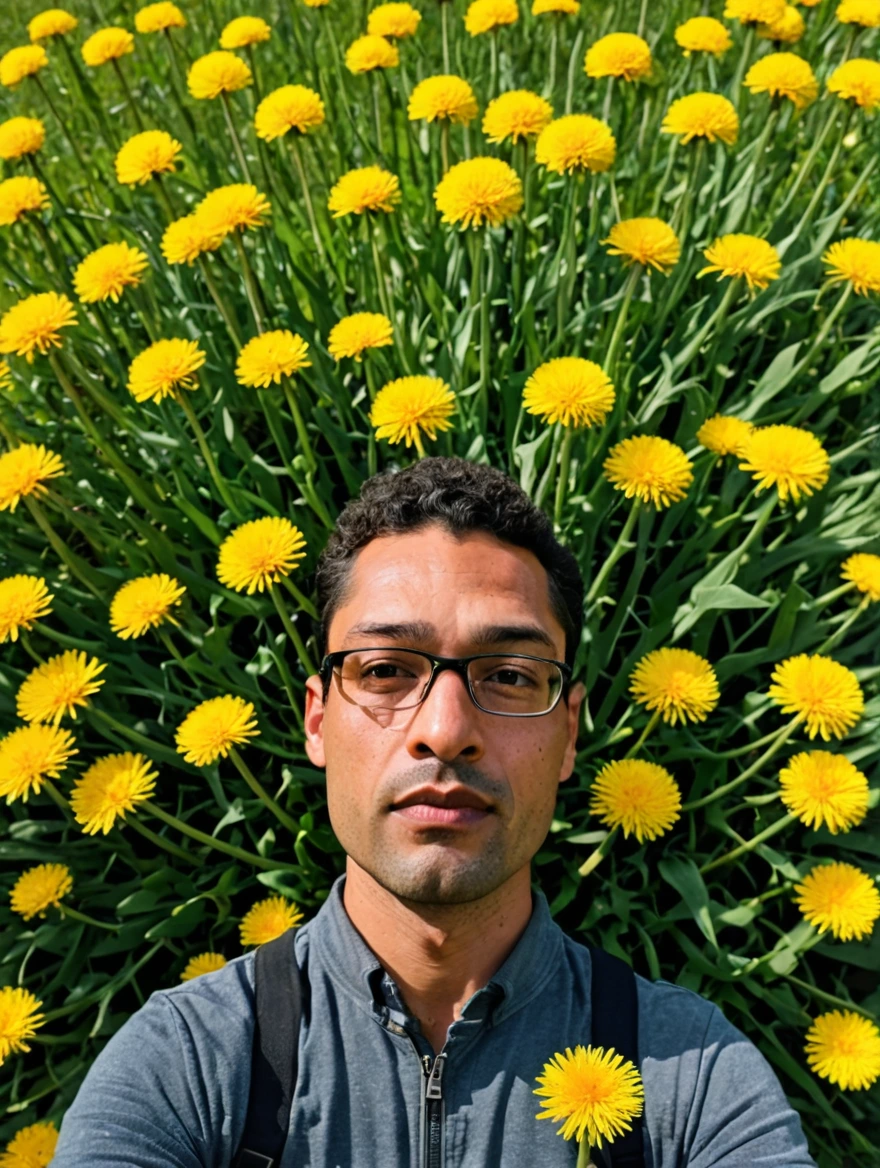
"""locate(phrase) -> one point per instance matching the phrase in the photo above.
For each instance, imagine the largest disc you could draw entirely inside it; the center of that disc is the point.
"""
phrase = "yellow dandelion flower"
(243, 31)
(863, 570)
(569, 390)
(235, 207)
(39, 889)
(316, 3)
(20, 1018)
(264, 360)
(196, 966)
(212, 728)
(649, 468)
(702, 115)
(23, 600)
(34, 323)
(159, 17)
(487, 15)
(352, 335)
(216, 73)
(445, 96)
(576, 142)
(680, 684)
(824, 694)
(754, 11)
(165, 368)
(518, 115)
(146, 155)
(111, 786)
(20, 196)
(561, 7)
(397, 20)
(186, 239)
(783, 75)
(30, 755)
(31, 1147)
(405, 407)
(857, 80)
(259, 553)
(477, 191)
(620, 54)
(5, 376)
(21, 62)
(371, 52)
(268, 919)
(857, 260)
(863, 12)
(844, 1047)
(641, 797)
(839, 897)
(703, 34)
(20, 136)
(107, 44)
(743, 255)
(105, 273)
(369, 188)
(594, 1090)
(645, 241)
(819, 787)
(55, 689)
(24, 470)
(144, 603)
(788, 458)
(51, 22)
(292, 107)
(724, 434)
(788, 29)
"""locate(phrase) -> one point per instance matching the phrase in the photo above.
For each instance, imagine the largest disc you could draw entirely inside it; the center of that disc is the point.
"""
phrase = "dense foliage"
(727, 541)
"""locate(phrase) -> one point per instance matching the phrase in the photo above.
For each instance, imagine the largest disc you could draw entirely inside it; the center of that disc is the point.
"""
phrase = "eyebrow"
(419, 633)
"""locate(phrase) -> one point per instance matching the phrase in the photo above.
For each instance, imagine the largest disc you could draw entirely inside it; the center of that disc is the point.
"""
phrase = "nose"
(447, 723)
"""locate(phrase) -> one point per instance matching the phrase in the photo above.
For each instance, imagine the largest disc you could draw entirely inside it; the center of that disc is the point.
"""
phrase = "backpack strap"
(275, 1052)
(614, 1004)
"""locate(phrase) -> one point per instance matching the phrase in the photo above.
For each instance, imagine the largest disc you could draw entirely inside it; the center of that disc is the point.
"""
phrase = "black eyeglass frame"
(438, 664)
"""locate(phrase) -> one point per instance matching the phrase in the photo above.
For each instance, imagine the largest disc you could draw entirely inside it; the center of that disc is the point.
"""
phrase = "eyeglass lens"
(395, 679)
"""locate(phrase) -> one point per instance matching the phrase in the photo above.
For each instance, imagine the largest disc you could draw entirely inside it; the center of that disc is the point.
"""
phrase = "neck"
(439, 955)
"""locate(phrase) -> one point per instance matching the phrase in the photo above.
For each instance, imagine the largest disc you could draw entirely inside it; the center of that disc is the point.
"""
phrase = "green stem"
(736, 86)
(619, 549)
(307, 198)
(292, 632)
(301, 599)
(132, 104)
(823, 996)
(59, 800)
(482, 400)
(596, 857)
(584, 1159)
(76, 915)
(824, 182)
(301, 431)
(842, 629)
(107, 988)
(65, 130)
(649, 728)
(222, 306)
(219, 482)
(159, 841)
(780, 740)
(751, 844)
(807, 165)
(834, 594)
(244, 770)
(236, 141)
(562, 481)
(211, 842)
(377, 112)
(714, 322)
(250, 283)
(76, 566)
(620, 324)
(444, 28)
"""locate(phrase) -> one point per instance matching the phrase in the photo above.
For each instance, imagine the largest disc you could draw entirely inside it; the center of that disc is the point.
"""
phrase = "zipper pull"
(434, 1088)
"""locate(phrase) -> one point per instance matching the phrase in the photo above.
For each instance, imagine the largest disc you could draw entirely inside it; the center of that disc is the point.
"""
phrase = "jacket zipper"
(431, 1152)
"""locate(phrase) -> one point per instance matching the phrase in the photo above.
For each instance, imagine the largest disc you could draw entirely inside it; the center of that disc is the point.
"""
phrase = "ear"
(576, 695)
(314, 721)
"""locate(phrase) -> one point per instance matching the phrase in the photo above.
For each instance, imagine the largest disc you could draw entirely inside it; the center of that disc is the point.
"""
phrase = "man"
(432, 952)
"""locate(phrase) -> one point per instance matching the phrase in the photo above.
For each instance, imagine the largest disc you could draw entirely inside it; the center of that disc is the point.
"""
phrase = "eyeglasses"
(385, 680)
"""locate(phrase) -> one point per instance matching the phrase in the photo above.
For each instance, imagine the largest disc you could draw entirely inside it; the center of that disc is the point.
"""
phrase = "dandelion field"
(638, 273)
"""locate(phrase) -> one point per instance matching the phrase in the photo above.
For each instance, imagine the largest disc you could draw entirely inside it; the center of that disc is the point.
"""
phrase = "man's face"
(453, 589)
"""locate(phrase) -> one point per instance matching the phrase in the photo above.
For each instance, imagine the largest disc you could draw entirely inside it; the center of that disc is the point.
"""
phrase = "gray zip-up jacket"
(170, 1089)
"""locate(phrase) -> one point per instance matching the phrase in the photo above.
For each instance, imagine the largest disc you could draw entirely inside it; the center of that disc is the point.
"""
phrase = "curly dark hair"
(462, 496)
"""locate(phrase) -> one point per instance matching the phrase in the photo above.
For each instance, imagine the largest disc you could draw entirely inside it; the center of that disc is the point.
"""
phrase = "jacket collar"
(351, 963)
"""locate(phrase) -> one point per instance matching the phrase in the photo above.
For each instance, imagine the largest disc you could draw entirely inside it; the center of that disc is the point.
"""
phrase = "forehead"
(454, 582)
